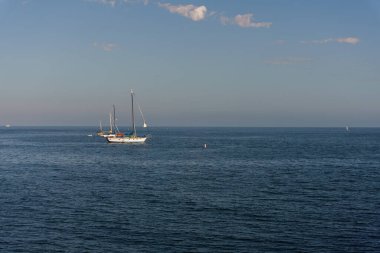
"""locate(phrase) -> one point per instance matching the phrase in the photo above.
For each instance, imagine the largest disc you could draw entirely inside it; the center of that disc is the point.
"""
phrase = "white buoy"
(205, 145)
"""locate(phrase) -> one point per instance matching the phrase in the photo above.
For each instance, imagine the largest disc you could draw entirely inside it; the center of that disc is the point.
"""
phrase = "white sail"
(142, 115)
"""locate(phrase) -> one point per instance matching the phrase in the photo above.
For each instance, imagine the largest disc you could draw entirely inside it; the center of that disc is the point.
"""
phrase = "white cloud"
(347, 40)
(108, 47)
(195, 13)
(245, 21)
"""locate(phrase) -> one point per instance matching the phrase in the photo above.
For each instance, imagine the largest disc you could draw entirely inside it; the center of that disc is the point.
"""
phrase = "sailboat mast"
(110, 122)
(133, 116)
(114, 118)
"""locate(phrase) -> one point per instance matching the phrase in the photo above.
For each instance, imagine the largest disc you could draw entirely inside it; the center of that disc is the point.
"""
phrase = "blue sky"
(191, 63)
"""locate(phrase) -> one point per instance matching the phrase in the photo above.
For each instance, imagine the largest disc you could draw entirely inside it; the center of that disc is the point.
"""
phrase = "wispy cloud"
(108, 47)
(347, 40)
(145, 2)
(288, 61)
(107, 2)
(245, 21)
(195, 13)
(115, 2)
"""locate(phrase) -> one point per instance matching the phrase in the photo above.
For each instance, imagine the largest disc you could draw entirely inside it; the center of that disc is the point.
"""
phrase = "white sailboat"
(100, 132)
(142, 116)
(113, 128)
(132, 137)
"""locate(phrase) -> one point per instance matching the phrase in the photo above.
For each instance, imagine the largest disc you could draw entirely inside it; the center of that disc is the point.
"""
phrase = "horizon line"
(183, 126)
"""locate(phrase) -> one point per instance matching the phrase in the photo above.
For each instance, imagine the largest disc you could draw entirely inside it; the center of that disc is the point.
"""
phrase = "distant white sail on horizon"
(142, 116)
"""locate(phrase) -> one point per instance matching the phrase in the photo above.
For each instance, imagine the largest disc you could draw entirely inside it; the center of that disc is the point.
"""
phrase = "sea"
(63, 189)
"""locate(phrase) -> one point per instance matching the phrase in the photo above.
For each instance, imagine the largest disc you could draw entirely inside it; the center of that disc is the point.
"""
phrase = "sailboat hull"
(105, 135)
(127, 139)
(108, 135)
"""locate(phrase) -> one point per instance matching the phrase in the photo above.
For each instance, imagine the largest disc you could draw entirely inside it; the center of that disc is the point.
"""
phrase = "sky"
(275, 63)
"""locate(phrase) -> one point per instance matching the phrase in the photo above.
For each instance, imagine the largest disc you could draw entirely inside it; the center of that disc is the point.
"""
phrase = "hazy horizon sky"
(191, 63)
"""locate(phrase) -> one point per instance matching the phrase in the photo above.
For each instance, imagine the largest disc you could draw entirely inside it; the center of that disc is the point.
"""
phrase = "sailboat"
(132, 137)
(142, 116)
(100, 132)
(113, 128)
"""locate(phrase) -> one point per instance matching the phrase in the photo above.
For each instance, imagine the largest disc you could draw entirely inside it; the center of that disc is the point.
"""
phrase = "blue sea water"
(251, 190)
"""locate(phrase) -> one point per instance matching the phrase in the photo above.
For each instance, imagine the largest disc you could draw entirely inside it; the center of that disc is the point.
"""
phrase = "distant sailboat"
(113, 128)
(100, 132)
(142, 116)
(132, 137)
(347, 129)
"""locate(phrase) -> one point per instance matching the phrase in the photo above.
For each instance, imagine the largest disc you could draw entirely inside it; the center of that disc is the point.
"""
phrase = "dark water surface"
(251, 190)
